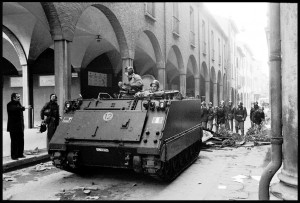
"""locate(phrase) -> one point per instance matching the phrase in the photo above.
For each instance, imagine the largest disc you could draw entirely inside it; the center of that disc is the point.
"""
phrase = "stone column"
(126, 62)
(25, 101)
(197, 86)
(161, 72)
(207, 92)
(221, 93)
(183, 84)
(216, 102)
(62, 69)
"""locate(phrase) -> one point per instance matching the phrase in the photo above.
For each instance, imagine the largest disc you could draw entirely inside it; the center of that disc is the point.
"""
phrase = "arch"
(219, 84)
(204, 71)
(193, 68)
(203, 78)
(148, 56)
(17, 45)
(155, 44)
(117, 28)
(213, 75)
(179, 59)
(225, 93)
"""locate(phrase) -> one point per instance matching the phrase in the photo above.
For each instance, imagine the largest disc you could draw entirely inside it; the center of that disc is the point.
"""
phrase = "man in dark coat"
(220, 116)
(258, 117)
(229, 116)
(240, 114)
(15, 126)
(51, 111)
(253, 109)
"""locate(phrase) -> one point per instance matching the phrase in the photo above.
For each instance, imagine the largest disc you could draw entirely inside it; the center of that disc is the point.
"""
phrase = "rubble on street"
(226, 138)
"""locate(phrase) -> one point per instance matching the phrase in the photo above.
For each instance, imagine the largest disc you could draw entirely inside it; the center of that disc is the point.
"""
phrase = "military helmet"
(203, 103)
(156, 82)
(209, 103)
(240, 103)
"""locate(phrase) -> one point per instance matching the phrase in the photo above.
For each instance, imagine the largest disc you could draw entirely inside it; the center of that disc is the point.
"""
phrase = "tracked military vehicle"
(159, 135)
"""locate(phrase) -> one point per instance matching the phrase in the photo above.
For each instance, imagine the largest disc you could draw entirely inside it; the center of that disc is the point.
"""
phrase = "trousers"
(17, 144)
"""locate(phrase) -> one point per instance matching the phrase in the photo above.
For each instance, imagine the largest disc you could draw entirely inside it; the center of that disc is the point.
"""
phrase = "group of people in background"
(223, 116)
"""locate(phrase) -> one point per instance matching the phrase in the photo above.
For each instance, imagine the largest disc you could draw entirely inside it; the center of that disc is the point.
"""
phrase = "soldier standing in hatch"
(135, 81)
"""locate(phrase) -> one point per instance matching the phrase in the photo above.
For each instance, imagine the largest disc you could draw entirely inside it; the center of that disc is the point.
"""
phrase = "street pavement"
(34, 148)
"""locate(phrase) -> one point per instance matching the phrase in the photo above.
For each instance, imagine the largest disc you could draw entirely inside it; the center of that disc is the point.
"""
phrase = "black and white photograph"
(149, 101)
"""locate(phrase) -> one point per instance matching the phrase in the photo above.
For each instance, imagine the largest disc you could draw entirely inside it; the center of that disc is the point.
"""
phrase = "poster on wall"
(47, 80)
(99, 79)
(16, 82)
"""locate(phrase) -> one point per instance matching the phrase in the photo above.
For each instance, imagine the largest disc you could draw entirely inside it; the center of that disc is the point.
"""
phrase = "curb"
(25, 162)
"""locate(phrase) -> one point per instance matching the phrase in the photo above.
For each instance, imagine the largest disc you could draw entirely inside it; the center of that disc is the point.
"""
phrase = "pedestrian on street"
(204, 115)
(15, 126)
(51, 111)
(240, 114)
(229, 116)
(211, 115)
(221, 116)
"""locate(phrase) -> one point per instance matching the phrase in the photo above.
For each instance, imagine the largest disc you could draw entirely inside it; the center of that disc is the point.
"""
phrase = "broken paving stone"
(92, 197)
(92, 188)
(78, 188)
(87, 191)
(9, 179)
(134, 184)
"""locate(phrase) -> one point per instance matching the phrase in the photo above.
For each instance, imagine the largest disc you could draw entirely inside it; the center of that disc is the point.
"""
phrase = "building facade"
(83, 48)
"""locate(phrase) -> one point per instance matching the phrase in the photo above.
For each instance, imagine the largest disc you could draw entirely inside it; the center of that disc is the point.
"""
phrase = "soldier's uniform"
(204, 115)
(258, 117)
(210, 117)
(229, 117)
(240, 114)
(220, 117)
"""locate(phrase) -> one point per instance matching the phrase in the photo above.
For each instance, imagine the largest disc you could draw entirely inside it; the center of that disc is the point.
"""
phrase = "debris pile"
(32, 152)
(79, 193)
(44, 166)
(226, 138)
(258, 135)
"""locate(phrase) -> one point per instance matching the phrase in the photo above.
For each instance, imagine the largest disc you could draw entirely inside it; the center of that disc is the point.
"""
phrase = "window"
(150, 10)
(175, 19)
(203, 37)
(212, 46)
(192, 27)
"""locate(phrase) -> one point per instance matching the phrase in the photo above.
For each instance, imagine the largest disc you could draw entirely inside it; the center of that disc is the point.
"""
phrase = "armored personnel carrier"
(159, 135)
